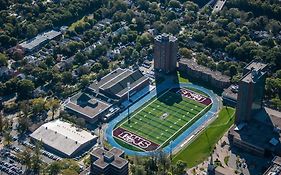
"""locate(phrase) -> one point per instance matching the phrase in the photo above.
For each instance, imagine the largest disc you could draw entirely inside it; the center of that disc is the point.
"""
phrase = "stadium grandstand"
(102, 99)
(114, 85)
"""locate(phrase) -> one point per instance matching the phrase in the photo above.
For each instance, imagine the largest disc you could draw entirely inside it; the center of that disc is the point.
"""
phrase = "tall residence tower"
(251, 91)
(165, 53)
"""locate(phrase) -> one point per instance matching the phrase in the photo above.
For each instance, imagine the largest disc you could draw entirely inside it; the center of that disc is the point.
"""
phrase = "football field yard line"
(157, 131)
(184, 125)
(137, 131)
(145, 106)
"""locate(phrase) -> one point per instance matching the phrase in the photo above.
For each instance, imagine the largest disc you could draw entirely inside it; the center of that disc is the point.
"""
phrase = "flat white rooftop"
(62, 136)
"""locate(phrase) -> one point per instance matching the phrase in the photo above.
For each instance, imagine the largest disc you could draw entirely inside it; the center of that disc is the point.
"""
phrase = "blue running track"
(187, 133)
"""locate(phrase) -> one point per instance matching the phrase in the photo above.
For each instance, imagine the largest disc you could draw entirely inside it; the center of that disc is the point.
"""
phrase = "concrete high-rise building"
(165, 53)
(251, 91)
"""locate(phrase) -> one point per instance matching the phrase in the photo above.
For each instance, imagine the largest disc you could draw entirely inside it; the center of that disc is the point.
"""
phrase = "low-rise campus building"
(63, 139)
(102, 98)
(194, 70)
(37, 42)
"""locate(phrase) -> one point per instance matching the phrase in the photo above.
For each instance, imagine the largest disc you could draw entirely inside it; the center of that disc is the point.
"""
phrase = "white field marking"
(185, 125)
(142, 110)
(187, 140)
(166, 129)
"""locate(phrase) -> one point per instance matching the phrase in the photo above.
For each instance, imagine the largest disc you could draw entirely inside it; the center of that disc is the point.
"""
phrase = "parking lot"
(9, 162)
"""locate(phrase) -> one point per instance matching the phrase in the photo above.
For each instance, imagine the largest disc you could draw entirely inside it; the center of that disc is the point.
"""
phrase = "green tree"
(185, 52)
(174, 4)
(3, 60)
(233, 70)
(67, 77)
(53, 104)
(38, 105)
(96, 67)
(25, 88)
(7, 138)
(85, 80)
(104, 62)
(31, 30)
(35, 159)
(180, 168)
(81, 122)
(25, 158)
(80, 58)
(24, 107)
(1, 123)
(54, 168)
(23, 124)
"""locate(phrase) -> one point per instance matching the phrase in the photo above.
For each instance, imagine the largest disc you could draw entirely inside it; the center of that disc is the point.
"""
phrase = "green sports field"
(164, 118)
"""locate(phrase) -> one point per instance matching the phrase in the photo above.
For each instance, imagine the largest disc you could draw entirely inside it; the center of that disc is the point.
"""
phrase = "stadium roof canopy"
(115, 83)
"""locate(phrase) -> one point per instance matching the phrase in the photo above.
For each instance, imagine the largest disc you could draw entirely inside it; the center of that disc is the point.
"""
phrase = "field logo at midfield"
(194, 96)
(134, 139)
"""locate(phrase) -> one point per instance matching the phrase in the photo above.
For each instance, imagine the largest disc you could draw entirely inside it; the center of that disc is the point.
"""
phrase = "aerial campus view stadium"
(140, 87)
(163, 120)
(169, 115)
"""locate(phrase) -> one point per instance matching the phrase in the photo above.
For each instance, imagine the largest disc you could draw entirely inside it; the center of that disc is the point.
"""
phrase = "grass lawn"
(198, 150)
(78, 22)
(121, 143)
(181, 78)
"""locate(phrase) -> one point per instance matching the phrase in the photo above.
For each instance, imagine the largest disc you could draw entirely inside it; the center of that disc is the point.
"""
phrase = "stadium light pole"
(171, 142)
(128, 85)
